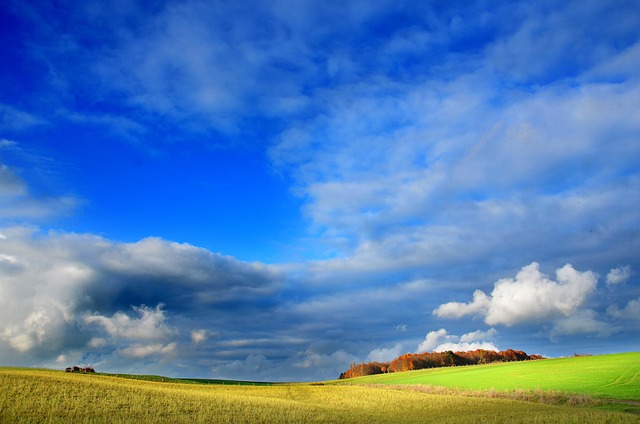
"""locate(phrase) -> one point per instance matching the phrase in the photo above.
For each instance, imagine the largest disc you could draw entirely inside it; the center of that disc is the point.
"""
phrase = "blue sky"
(272, 190)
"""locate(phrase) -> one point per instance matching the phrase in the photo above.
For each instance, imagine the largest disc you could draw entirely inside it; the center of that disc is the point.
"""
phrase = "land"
(570, 390)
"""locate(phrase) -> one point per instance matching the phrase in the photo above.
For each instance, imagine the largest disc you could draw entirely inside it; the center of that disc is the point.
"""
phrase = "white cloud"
(66, 293)
(42, 328)
(582, 322)
(619, 275)
(441, 340)
(149, 326)
(530, 297)
(479, 335)
(201, 335)
(434, 338)
(465, 346)
(385, 354)
(141, 351)
(630, 312)
(478, 306)
(97, 342)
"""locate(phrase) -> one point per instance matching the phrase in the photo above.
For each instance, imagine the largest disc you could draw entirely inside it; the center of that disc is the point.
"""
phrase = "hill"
(54, 396)
(614, 376)
(418, 361)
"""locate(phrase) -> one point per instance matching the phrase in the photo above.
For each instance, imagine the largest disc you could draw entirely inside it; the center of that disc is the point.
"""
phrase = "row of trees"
(417, 361)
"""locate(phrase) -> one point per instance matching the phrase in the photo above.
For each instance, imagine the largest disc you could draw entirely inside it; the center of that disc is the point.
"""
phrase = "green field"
(605, 376)
(29, 395)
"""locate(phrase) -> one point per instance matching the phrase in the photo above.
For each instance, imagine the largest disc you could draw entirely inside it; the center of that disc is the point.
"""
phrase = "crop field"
(30, 395)
(605, 376)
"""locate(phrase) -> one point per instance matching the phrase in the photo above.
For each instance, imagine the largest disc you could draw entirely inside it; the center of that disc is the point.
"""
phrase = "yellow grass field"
(29, 395)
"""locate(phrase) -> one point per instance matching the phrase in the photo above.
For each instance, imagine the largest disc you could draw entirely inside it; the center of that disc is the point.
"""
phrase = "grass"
(161, 379)
(605, 376)
(29, 395)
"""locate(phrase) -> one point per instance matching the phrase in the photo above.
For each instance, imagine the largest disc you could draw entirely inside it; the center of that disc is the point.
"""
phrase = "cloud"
(149, 326)
(530, 297)
(630, 312)
(10, 183)
(385, 354)
(478, 306)
(441, 340)
(41, 328)
(425, 144)
(433, 339)
(479, 335)
(582, 322)
(194, 268)
(17, 200)
(97, 342)
(201, 335)
(619, 275)
(64, 293)
(142, 351)
(311, 358)
(12, 119)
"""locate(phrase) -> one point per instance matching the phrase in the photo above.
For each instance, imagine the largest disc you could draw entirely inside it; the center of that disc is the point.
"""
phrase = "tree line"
(417, 361)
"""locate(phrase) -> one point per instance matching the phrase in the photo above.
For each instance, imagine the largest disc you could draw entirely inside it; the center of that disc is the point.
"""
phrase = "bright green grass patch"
(53, 396)
(614, 376)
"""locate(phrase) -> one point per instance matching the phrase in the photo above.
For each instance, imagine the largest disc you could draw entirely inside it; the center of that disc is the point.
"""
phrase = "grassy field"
(29, 395)
(605, 376)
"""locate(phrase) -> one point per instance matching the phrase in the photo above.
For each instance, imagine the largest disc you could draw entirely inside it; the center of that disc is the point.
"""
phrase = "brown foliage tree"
(416, 361)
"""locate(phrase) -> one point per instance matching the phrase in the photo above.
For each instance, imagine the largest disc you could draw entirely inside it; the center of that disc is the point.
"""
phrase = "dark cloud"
(58, 287)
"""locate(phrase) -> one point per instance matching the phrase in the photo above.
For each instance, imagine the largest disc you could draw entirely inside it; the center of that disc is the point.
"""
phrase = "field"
(29, 395)
(605, 376)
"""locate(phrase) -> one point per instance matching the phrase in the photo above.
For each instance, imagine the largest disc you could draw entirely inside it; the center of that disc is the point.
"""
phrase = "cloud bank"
(531, 296)
(441, 341)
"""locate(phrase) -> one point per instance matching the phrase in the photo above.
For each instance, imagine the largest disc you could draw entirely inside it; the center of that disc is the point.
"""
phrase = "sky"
(271, 190)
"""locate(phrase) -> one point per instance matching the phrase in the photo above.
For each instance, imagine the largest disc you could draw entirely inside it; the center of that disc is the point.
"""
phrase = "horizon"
(269, 191)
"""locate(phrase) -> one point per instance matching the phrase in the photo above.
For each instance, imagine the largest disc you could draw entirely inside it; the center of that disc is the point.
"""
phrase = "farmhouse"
(79, 369)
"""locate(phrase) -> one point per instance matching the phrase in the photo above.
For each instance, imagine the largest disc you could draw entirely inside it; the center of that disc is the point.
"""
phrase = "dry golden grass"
(52, 396)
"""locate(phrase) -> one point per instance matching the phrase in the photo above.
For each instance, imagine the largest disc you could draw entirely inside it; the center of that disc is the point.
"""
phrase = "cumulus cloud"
(478, 306)
(630, 312)
(40, 328)
(479, 335)
(582, 322)
(149, 326)
(531, 296)
(201, 335)
(385, 354)
(441, 340)
(66, 294)
(619, 275)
